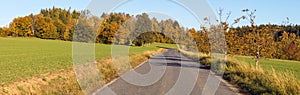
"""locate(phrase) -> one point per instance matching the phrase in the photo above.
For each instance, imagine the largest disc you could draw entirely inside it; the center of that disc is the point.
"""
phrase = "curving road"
(167, 73)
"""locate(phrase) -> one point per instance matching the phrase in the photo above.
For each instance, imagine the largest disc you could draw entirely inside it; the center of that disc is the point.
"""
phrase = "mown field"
(27, 57)
(278, 65)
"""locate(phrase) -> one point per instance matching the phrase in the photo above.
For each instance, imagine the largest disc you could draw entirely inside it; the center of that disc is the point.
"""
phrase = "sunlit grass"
(259, 81)
(27, 57)
(265, 80)
(278, 65)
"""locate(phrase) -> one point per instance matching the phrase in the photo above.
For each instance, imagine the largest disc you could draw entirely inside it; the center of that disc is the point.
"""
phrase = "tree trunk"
(257, 59)
(256, 63)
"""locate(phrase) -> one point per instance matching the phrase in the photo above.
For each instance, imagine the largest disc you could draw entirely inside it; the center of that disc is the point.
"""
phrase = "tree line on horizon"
(274, 41)
(61, 24)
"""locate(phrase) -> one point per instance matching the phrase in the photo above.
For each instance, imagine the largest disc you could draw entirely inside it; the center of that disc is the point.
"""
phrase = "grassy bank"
(255, 81)
(260, 81)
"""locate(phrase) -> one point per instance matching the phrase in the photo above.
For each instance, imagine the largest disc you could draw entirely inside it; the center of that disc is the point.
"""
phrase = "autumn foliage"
(274, 41)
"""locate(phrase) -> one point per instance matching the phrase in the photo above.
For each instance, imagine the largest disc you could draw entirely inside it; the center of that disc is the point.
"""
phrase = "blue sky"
(268, 11)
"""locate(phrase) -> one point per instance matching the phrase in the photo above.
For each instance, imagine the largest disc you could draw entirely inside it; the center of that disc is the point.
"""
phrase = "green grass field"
(27, 57)
(278, 65)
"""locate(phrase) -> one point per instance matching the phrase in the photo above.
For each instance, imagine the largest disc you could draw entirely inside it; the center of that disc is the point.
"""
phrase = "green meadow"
(278, 65)
(27, 57)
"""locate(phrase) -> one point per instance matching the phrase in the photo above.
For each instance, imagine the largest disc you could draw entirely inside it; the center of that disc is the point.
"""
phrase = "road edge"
(114, 80)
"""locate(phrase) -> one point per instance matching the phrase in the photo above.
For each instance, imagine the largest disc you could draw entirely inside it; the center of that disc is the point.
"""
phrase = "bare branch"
(228, 15)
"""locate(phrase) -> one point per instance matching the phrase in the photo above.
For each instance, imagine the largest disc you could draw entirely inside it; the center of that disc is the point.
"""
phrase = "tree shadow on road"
(172, 58)
(177, 60)
(185, 66)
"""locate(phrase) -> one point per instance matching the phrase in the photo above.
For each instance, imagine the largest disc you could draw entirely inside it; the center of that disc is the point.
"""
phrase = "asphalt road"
(168, 73)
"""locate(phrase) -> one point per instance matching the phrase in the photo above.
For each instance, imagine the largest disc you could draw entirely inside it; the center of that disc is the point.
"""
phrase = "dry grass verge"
(252, 80)
(258, 81)
(60, 82)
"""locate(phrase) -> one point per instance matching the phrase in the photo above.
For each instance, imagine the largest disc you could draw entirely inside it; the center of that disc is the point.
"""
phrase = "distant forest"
(274, 41)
